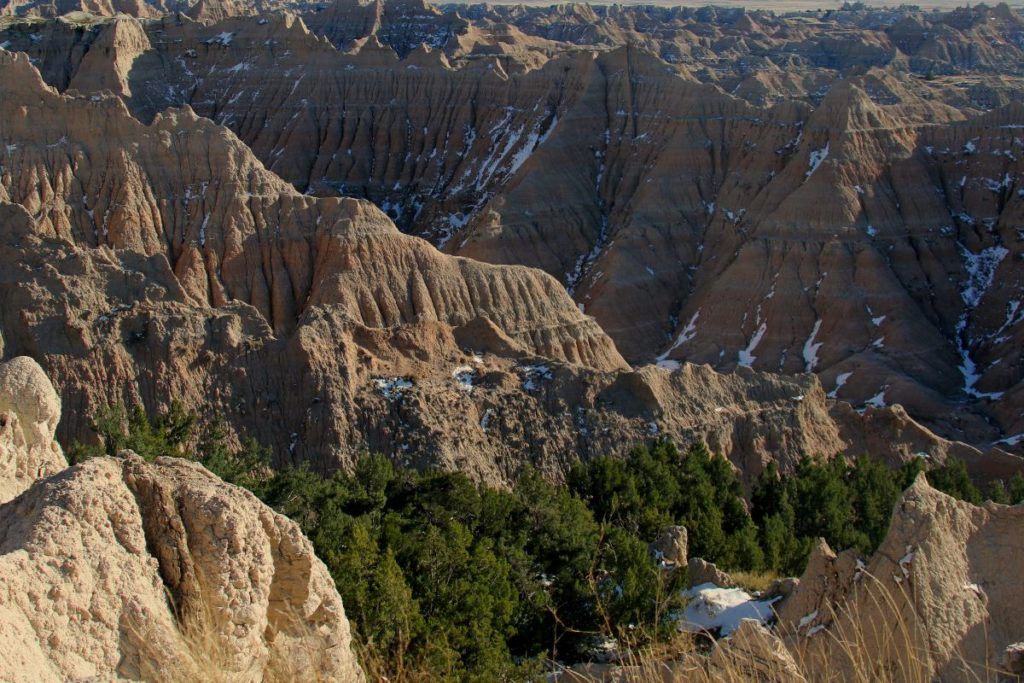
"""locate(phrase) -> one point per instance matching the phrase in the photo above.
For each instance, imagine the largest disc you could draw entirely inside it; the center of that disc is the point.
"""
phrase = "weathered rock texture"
(142, 263)
(118, 568)
(700, 571)
(713, 186)
(940, 592)
(29, 413)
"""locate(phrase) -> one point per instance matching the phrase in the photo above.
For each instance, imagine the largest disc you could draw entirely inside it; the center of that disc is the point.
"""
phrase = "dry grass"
(876, 636)
(754, 582)
(193, 648)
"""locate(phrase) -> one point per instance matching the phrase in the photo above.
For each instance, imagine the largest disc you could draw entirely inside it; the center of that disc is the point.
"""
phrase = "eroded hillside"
(837, 193)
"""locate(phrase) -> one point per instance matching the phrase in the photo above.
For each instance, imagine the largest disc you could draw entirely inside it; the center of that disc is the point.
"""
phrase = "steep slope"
(825, 233)
(185, 270)
(190, 192)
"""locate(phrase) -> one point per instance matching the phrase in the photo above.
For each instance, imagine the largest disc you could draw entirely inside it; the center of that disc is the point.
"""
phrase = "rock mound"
(940, 592)
(29, 412)
(118, 568)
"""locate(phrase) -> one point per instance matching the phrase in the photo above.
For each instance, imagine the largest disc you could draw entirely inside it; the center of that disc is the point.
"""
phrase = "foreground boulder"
(939, 598)
(122, 569)
(29, 412)
(700, 572)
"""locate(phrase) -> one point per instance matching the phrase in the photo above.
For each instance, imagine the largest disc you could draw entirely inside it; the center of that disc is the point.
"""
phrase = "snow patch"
(712, 608)
(980, 269)
(811, 348)
(533, 375)
(224, 39)
(463, 376)
(876, 401)
(392, 388)
(814, 160)
(746, 356)
(688, 333)
(840, 381)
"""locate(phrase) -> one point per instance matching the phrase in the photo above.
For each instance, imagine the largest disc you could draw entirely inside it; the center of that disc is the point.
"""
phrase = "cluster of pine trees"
(445, 578)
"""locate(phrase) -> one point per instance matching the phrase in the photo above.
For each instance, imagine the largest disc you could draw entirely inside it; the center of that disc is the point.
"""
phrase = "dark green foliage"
(1015, 489)
(476, 578)
(119, 428)
(951, 477)
(847, 504)
(449, 580)
(656, 486)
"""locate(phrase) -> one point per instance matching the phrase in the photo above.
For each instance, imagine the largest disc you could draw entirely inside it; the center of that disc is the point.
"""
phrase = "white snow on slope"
(811, 348)
(840, 381)
(814, 161)
(712, 607)
(392, 388)
(688, 333)
(981, 270)
(463, 376)
(876, 401)
(224, 39)
(746, 356)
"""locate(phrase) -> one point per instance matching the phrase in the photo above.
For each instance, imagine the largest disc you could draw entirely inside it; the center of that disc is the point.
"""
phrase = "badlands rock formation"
(834, 193)
(939, 587)
(151, 261)
(122, 569)
(29, 413)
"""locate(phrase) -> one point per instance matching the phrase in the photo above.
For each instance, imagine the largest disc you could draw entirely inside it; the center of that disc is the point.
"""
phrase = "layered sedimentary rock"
(122, 569)
(832, 213)
(185, 270)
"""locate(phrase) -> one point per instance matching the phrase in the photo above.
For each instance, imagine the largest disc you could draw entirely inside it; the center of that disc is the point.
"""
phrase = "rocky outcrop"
(189, 271)
(670, 547)
(840, 216)
(812, 600)
(937, 588)
(29, 413)
(753, 653)
(122, 569)
(109, 60)
(700, 572)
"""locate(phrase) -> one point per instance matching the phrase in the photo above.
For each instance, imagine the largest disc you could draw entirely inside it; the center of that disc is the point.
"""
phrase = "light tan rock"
(753, 653)
(824, 585)
(700, 571)
(29, 413)
(118, 568)
(671, 545)
(108, 63)
(1013, 659)
(936, 600)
